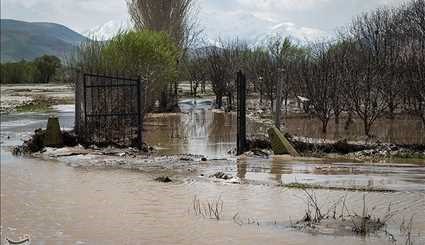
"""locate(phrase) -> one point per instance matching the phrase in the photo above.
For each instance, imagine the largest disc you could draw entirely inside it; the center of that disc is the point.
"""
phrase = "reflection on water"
(403, 130)
(276, 171)
(198, 131)
(57, 204)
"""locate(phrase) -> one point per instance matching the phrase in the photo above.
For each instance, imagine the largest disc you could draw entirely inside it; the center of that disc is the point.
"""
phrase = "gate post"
(140, 94)
(77, 104)
(85, 105)
(241, 113)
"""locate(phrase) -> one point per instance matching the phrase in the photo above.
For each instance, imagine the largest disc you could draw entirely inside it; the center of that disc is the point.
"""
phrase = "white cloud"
(248, 19)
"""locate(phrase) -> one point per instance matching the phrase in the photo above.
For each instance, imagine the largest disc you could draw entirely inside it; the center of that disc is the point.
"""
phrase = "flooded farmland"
(56, 204)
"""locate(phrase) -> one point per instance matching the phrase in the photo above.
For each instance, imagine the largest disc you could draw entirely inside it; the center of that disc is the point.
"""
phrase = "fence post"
(139, 114)
(241, 113)
(85, 103)
(77, 104)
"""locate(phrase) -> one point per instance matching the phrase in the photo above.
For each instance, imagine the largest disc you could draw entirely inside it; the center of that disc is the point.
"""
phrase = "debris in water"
(163, 179)
(37, 142)
(221, 175)
(26, 239)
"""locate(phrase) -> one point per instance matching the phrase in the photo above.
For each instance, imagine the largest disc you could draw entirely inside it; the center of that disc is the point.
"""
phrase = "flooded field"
(58, 204)
(15, 95)
(402, 130)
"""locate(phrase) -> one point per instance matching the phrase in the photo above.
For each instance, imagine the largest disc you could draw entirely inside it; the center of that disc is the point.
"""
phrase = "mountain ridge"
(21, 40)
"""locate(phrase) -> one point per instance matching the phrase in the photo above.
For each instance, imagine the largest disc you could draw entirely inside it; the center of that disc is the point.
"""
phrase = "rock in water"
(280, 144)
(163, 179)
(53, 137)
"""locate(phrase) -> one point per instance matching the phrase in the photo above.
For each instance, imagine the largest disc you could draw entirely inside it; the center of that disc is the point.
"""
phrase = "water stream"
(58, 204)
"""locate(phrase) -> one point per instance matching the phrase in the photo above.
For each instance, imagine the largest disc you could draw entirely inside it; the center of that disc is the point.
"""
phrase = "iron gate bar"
(141, 102)
(85, 100)
(110, 86)
(111, 77)
(121, 122)
(139, 119)
(112, 114)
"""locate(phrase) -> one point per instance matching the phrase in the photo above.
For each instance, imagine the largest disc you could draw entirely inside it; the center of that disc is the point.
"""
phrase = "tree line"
(375, 67)
(41, 70)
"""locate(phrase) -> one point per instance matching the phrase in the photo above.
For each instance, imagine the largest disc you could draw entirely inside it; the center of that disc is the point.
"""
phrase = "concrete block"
(280, 143)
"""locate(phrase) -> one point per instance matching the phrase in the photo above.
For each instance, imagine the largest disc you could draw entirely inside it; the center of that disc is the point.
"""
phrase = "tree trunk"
(325, 126)
(219, 101)
(391, 109)
(278, 104)
(261, 94)
(203, 89)
(163, 101)
(271, 104)
(367, 127)
(195, 91)
(191, 88)
(349, 121)
(176, 89)
(230, 102)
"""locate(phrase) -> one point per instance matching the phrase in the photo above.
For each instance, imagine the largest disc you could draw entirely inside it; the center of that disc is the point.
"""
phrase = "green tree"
(151, 56)
(47, 67)
(18, 72)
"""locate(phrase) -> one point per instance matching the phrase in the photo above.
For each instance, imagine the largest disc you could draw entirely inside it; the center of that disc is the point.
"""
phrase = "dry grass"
(208, 209)
(339, 214)
(406, 231)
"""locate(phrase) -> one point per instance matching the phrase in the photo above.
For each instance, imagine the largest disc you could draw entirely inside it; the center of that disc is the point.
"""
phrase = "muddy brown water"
(57, 204)
(403, 130)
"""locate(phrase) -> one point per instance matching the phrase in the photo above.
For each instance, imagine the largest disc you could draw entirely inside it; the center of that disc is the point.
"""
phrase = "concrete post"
(53, 136)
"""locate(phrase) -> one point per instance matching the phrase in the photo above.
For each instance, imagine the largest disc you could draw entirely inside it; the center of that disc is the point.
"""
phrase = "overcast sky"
(248, 19)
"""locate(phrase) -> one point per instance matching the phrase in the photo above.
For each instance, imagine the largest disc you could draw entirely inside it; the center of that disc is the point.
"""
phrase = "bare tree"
(317, 78)
(235, 54)
(216, 69)
(413, 32)
(177, 18)
(196, 70)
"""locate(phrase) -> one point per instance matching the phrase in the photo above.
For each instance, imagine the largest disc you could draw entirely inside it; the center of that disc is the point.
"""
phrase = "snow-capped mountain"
(258, 33)
(107, 30)
(288, 29)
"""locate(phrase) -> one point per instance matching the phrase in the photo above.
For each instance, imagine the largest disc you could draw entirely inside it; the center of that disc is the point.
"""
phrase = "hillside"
(25, 40)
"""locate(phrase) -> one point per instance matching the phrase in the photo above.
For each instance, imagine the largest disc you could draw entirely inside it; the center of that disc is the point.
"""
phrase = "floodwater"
(402, 130)
(58, 204)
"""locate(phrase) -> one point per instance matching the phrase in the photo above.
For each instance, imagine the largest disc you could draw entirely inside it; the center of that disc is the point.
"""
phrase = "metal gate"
(111, 111)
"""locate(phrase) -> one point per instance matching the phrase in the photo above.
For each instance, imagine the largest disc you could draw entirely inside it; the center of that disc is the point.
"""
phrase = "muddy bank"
(34, 97)
(351, 150)
(77, 155)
